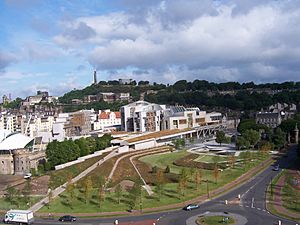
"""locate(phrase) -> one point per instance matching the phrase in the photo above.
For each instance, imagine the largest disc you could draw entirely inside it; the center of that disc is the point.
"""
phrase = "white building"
(106, 118)
(141, 116)
(144, 116)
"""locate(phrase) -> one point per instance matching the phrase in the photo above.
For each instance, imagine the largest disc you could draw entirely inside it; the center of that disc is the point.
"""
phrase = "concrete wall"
(145, 145)
(82, 159)
(6, 164)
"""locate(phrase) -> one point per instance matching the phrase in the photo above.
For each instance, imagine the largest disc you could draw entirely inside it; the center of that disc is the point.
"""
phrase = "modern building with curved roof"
(16, 141)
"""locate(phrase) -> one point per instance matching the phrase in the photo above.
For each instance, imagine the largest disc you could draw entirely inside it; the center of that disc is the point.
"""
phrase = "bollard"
(239, 197)
(153, 223)
(226, 202)
(279, 222)
(116, 222)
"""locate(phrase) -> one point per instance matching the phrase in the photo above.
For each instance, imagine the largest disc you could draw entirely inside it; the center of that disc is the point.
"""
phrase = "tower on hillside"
(95, 77)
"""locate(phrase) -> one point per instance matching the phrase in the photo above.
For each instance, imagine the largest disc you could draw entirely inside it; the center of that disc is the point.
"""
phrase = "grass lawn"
(170, 193)
(165, 159)
(213, 220)
(59, 177)
(6, 205)
(211, 159)
(291, 196)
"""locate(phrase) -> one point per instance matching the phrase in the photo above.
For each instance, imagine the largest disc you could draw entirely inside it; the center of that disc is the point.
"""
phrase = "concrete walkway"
(62, 188)
(239, 220)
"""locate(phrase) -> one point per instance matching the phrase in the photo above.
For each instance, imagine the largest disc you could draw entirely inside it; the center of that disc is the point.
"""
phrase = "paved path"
(239, 220)
(277, 200)
(62, 188)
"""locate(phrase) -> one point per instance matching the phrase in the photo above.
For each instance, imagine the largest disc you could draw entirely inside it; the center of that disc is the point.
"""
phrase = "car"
(27, 176)
(67, 218)
(191, 207)
(276, 168)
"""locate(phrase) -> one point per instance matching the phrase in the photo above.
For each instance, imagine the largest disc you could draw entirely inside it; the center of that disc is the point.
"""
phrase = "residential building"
(106, 118)
(125, 81)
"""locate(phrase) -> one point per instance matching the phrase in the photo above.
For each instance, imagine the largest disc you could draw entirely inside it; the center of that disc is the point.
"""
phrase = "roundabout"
(215, 218)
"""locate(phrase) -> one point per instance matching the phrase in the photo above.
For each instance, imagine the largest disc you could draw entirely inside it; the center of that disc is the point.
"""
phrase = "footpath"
(62, 188)
(234, 184)
(277, 201)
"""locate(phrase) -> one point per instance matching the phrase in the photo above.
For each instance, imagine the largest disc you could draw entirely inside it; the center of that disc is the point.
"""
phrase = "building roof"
(105, 115)
(4, 133)
(158, 134)
(15, 141)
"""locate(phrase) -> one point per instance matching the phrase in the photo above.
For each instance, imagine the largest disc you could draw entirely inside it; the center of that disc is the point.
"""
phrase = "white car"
(27, 175)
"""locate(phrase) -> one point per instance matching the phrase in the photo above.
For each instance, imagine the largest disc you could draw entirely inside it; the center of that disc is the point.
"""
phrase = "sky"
(54, 45)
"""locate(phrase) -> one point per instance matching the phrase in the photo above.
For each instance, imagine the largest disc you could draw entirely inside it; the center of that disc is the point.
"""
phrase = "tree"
(232, 160)
(198, 178)
(50, 196)
(252, 136)
(279, 138)
(27, 191)
(88, 186)
(220, 137)
(118, 192)
(135, 194)
(71, 194)
(242, 143)
(159, 185)
(11, 195)
(216, 173)
(181, 188)
(101, 192)
(154, 169)
(266, 147)
(167, 170)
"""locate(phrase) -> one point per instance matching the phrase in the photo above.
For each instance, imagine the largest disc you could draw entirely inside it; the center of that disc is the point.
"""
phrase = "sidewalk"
(277, 202)
(235, 184)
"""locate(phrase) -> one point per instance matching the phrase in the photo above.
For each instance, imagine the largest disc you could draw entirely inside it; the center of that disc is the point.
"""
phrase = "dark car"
(67, 218)
(191, 207)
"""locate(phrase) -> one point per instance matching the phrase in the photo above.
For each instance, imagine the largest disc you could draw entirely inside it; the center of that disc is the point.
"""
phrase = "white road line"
(247, 206)
(252, 203)
(258, 208)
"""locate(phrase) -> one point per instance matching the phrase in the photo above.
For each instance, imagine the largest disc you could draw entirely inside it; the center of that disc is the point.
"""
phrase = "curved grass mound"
(191, 161)
(214, 220)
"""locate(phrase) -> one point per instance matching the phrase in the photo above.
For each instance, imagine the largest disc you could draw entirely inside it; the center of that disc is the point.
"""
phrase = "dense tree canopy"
(68, 150)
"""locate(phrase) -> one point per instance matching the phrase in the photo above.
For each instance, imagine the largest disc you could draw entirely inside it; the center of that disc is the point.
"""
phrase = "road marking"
(258, 208)
(247, 206)
(252, 203)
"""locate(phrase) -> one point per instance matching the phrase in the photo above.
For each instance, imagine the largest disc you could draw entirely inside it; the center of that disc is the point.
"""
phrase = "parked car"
(67, 218)
(191, 207)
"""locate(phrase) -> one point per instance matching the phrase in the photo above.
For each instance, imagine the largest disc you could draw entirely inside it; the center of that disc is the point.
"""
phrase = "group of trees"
(242, 100)
(18, 197)
(259, 136)
(69, 150)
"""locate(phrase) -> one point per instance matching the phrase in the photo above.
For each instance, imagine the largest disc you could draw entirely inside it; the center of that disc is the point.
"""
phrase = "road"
(251, 206)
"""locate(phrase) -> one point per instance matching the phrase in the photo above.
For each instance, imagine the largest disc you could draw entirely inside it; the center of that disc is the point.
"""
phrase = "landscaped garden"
(171, 184)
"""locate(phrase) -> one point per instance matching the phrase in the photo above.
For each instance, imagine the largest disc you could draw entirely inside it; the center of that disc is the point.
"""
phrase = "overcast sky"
(55, 45)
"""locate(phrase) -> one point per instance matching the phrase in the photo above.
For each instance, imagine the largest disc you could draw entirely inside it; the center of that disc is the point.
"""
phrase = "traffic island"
(214, 218)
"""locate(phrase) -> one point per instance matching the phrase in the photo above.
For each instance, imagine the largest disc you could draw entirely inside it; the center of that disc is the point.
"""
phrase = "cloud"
(6, 59)
(221, 40)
